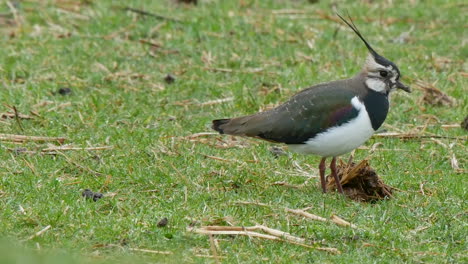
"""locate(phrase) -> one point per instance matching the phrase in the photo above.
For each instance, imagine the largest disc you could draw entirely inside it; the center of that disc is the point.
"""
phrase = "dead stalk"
(42, 231)
(22, 138)
(273, 234)
(341, 222)
(306, 214)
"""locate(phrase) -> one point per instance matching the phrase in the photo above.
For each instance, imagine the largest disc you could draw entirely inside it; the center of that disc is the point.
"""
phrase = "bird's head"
(381, 75)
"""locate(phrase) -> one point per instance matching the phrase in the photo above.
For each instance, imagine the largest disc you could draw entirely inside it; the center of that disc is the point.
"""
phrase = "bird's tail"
(218, 125)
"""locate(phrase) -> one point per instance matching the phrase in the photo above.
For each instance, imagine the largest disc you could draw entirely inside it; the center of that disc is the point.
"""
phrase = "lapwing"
(328, 119)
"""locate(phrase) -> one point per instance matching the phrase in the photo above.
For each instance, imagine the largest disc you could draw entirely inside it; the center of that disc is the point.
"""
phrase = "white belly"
(339, 140)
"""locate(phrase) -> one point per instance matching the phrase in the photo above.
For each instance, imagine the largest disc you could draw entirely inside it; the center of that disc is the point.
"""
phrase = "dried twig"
(454, 162)
(414, 136)
(136, 249)
(232, 232)
(341, 222)
(22, 138)
(219, 158)
(39, 233)
(126, 74)
(53, 150)
(202, 134)
(450, 126)
(273, 234)
(306, 214)
(334, 218)
(151, 251)
(294, 186)
(66, 148)
(14, 11)
(146, 13)
(55, 108)
(152, 43)
(228, 160)
(217, 101)
(213, 248)
(279, 233)
(248, 71)
(351, 173)
(210, 102)
(73, 14)
(17, 118)
(433, 125)
(421, 188)
(14, 115)
(208, 256)
(270, 231)
(252, 203)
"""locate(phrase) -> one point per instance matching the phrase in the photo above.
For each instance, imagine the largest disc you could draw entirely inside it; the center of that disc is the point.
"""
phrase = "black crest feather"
(356, 30)
(379, 59)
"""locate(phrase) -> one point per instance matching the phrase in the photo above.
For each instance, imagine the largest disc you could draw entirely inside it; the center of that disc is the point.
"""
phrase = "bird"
(328, 119)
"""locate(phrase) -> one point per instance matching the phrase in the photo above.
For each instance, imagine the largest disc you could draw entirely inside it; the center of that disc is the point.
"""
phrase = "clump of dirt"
(88, 194)
(163, 222)
(194, 2)
(169, 78)
(360, 182)
(64, 91)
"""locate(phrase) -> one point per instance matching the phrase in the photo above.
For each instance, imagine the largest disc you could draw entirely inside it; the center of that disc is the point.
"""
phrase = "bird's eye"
(383, 73)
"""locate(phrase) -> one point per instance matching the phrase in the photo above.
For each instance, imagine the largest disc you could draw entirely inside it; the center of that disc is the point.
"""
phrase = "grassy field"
(97, 75)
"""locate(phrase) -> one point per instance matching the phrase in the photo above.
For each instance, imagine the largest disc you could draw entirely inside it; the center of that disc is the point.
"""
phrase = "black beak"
(402, 86)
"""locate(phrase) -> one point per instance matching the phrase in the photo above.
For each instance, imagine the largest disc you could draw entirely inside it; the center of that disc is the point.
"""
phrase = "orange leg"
(322, 175)
(335, 175)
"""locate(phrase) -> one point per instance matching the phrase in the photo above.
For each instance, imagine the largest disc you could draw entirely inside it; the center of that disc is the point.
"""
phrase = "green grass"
(154, 170)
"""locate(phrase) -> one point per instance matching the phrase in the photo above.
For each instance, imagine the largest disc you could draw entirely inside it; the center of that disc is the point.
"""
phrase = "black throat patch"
(377, 107)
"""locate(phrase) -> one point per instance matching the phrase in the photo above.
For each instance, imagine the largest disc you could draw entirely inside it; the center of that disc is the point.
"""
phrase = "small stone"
(18, 151)
(97, 196)
(169, 78)
(64, 91)
(163, 222)
(87, 193)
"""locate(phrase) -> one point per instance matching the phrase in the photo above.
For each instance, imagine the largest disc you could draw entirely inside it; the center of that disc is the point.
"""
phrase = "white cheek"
(376, 85)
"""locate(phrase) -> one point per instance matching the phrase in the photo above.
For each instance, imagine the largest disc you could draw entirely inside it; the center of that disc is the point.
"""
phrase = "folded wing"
(305, 115)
